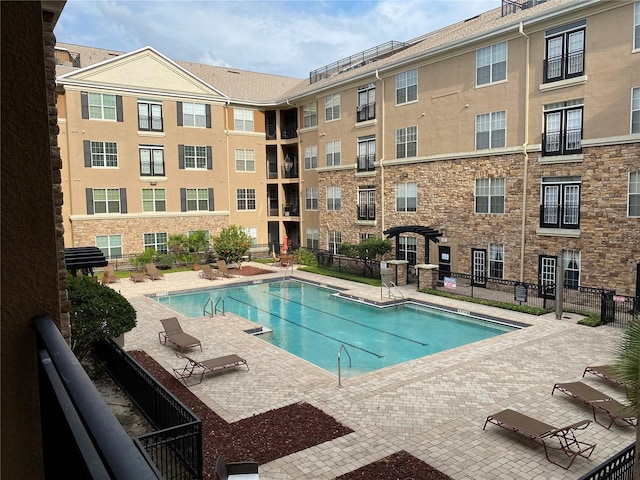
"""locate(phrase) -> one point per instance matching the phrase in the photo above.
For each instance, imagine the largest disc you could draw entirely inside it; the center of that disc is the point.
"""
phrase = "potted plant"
(197, 242)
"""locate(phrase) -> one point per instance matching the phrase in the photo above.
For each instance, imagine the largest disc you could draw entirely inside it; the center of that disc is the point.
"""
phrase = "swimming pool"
(313, 322)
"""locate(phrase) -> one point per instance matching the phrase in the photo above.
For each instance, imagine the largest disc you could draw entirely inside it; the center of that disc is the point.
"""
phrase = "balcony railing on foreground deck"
(80, 436)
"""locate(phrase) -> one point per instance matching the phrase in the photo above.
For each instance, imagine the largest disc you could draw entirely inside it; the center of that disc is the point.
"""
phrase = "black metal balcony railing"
(366, 212)
(366, 163)
(366, 112)
(563, 67)
(560, 216)
(564, 142)
(291, 172)
(271, 132)
(290, 210)
(289, 131)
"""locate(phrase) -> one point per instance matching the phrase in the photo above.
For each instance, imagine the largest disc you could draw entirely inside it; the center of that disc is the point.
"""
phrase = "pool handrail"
(342, 347)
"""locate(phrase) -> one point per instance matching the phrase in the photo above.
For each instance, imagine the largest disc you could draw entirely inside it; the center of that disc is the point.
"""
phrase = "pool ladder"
(391, 294)
(214, 307)
(342, 347)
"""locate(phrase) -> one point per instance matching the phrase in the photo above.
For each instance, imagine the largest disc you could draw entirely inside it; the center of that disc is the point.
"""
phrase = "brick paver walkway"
(434, 407)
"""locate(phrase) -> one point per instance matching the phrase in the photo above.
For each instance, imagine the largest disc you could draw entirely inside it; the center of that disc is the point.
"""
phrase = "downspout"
(382, 196)
(226, 146)
(526, 154)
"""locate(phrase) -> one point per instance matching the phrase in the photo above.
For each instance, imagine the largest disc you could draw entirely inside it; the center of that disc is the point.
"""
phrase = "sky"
(288, 38)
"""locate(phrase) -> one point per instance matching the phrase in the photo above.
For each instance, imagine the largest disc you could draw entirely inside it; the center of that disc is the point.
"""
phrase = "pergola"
(429, 234)
(84, 259)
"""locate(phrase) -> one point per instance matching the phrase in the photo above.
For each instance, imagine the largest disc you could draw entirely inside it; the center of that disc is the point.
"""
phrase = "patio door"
(444, 261)
(478, 267)
(547, 276)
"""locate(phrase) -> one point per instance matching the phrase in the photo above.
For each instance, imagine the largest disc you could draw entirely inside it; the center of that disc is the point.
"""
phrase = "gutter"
(382, 196)
(525, 173)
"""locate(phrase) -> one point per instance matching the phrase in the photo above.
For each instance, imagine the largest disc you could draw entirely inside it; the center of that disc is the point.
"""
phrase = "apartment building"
(497, 146)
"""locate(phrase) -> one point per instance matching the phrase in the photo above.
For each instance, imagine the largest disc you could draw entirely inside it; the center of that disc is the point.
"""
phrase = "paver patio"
(433, 407)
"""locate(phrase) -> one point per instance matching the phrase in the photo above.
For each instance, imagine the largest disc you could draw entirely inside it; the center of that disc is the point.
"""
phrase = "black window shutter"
(209, 158)
(207, 109)
(84, 103)
(179, 109)
(87, 153)
(123, 200)
(119, 114)
(183, 199)
(211, 208)
(89, 193)
(181, 157)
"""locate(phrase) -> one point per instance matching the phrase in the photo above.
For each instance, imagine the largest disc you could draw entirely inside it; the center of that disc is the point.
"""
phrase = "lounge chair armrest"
(236, 468)
(574, 426)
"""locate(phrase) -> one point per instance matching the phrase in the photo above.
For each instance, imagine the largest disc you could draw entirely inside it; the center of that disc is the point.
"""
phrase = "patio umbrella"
(284, 245)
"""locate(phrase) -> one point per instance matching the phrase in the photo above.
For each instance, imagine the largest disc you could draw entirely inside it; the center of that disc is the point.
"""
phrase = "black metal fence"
(176, 447)
(342, 263)
(618, 467)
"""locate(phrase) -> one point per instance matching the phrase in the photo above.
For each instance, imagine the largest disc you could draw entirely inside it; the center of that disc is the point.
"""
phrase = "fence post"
(559, 284)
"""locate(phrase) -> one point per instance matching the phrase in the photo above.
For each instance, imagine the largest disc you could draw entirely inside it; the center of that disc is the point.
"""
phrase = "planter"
(196, 266)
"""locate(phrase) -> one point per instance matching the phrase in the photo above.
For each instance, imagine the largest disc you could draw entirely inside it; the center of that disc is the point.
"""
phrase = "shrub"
(231, 244)
(97, 312)
(139, 261)
(306, 257)
(165, 261)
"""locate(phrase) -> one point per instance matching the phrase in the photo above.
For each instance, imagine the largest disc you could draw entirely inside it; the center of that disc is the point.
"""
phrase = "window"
(565, 52)
(311, 198)
(100, 154)
(154, 200)
(194, 115)
(366, 153)
(491, 130)
(633, 209)
(367, 203)
(406, 142)
(333, 152)
(407, 87)
(313, 238)
(562, 128)
(311, 157)
(408, 247)
(149, 116)
(252, 232)
(197, 199)
(334, 198)
(571, 263)
(334, 241)
(110, 245)
(636, 26)
(155, 241)
(309, 115)
(491, 64)
(246, 198)
(332, 107)
(496, 260)
(245, 160)
(243, 119)
(366, 109)
(490, 195)
(635, 110)
(560, 202)
(407, 197)
(195, 157)
(367, 236)
(101, 106)
(106, 200)
(151, 161)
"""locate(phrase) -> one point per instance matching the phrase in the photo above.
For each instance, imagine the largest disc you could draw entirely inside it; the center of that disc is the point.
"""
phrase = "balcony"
(366, 112)
(366, 163)
(564, 142)
(291, 210)
(563, 67)
(366, 212)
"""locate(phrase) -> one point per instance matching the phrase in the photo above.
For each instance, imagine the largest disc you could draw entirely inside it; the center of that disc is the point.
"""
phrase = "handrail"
(342, 347)
(389, 294)
(204, 309)
(215, 310)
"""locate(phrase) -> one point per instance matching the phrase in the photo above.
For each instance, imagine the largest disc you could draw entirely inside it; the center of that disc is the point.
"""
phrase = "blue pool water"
(312, 323)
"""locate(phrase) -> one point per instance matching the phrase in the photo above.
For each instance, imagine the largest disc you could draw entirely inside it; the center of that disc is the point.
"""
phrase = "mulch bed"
(248, 270)
(398, 466)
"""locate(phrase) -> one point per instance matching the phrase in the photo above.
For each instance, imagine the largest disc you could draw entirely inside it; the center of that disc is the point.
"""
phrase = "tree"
(97, 312)
(231, 244)
(197, 242)
(371, 250)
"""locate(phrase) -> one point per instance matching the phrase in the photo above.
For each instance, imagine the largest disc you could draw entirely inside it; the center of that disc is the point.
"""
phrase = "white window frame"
(494, 190)
(110, 200)
(407, 87)
(333, 152)
(252, 232)
(405, 192)
(310, 115)
(245, 160)
(572, 262)
(407, 248)
(157, 201)
(494, 126)
(195, 157)
(334, 240)
(496, 260)
(407, 142)
(635, 109)
(110, 245)
(100, 109)
(334, 198)
(194, 115)
(243, 120)
(197, 199)
(492, 56)
(311, 198)
(633, 195)
(636, 26)
(246, 199)
(310, 157)
(156, 241)
(332, 107)
(100, 157)
(313, 238)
